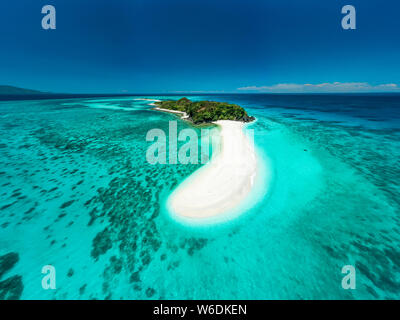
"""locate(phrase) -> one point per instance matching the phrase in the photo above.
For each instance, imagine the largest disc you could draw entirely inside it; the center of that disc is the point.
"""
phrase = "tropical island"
(204, 111)
(214, 191)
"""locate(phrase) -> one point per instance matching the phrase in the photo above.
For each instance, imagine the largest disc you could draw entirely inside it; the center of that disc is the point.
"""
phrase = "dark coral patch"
(8, 261)
(11, 288)
(116, 264)
(150, 292)
(82, 289)
(135, 277)
(101, 243)
(67, 204)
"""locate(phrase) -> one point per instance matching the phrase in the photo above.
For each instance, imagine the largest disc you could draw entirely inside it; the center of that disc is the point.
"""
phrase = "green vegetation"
(206, 111)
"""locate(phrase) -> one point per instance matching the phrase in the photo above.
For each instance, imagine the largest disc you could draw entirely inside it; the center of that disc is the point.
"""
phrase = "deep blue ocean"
(78, 194)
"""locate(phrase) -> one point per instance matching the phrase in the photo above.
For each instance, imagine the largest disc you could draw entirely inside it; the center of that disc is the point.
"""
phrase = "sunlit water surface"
(77, 193)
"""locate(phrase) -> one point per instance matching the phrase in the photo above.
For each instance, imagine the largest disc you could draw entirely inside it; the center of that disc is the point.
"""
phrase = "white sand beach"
(184, 115)
(224, 182)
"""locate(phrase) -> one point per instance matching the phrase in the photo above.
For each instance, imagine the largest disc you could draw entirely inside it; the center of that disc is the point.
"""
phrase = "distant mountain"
(15, 90)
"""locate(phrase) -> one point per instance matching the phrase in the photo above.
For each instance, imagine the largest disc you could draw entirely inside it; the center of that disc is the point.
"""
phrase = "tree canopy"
(207, 111)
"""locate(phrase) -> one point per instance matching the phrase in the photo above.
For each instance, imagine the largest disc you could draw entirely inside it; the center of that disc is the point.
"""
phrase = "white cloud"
(324, 87)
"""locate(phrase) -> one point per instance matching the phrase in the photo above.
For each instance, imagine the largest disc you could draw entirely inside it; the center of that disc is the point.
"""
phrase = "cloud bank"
(324, 87)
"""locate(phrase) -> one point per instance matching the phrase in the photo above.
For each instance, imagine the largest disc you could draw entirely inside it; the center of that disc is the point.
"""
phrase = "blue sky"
(161, 46)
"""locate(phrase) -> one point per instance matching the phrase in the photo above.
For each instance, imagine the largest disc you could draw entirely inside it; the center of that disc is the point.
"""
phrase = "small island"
(200, 112)
(217, 189)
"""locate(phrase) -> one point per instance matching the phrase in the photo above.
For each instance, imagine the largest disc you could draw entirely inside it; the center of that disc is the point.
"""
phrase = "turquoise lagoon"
(78, 194)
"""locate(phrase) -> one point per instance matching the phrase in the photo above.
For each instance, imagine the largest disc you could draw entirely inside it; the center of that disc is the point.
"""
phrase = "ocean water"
(77, 193)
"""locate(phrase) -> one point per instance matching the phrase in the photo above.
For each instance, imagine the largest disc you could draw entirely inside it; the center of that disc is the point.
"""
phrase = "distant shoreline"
(183, 114)
(59, 96)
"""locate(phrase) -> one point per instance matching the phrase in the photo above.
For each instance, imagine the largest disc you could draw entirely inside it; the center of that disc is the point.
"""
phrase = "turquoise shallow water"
(78, 194)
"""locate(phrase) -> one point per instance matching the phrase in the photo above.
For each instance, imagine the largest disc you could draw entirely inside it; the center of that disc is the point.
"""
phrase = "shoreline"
(184, 114)
(224, 183)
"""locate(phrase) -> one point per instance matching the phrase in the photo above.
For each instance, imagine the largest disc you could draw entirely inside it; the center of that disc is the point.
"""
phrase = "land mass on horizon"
(4, 89)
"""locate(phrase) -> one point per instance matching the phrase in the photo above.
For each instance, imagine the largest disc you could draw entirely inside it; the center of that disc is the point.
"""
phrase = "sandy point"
(222, 184)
